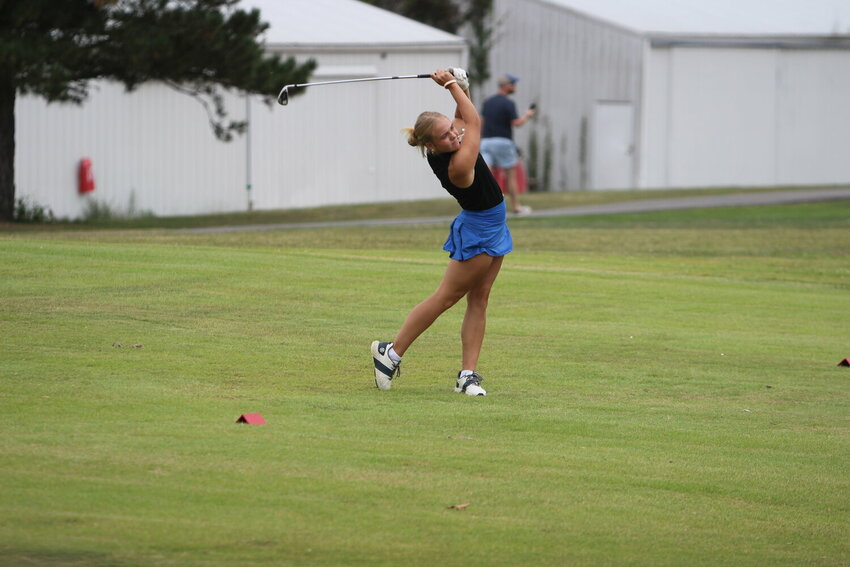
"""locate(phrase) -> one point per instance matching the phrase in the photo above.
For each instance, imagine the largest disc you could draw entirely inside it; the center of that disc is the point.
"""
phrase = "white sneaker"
(385, 368)
(522, 211)
(470, 385)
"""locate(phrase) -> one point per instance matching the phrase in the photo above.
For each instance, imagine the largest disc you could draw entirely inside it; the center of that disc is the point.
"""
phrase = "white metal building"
(684, 93)
(152, 150)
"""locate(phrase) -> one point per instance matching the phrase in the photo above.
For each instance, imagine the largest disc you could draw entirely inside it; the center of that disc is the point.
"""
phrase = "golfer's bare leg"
(459, 278)
(475, 319)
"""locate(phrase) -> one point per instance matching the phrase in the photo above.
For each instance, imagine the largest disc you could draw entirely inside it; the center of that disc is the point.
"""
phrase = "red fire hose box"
(86, 181)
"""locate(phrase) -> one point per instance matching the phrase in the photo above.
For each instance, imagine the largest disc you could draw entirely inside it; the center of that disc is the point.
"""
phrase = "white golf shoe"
(470, 385)
(385, 368)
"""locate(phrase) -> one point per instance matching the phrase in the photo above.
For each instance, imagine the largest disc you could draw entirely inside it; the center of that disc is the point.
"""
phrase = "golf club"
(283, 97)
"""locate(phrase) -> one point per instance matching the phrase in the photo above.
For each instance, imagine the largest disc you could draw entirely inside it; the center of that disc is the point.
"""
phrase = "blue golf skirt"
(479, 232)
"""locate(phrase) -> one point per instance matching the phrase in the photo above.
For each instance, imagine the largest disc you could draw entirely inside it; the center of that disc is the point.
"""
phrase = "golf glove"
(460, 76)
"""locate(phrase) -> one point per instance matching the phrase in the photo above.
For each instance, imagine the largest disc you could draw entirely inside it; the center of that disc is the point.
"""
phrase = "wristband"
(445, 86)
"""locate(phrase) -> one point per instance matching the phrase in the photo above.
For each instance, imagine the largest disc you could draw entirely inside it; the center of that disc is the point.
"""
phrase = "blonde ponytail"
(410, 134)
(420, 134)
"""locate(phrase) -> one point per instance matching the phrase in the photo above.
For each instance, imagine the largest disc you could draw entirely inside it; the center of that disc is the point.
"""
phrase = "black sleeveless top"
(483, 194)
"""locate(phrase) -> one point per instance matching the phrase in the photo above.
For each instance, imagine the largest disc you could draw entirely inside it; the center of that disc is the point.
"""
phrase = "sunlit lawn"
(663, 390)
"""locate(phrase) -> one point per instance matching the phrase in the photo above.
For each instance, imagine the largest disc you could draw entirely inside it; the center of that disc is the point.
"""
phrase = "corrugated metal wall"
(152, 147)
(567, 63)
(813, 131)
(153, 150)
(703, 116)
(719, 116)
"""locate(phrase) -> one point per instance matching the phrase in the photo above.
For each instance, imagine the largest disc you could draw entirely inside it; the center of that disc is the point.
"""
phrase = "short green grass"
(393, 209)
(664, 390)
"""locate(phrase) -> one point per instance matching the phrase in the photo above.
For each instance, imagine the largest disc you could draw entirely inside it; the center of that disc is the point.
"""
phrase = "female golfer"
(478, 240)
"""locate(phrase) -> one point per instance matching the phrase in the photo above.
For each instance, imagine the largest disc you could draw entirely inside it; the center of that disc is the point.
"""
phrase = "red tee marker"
(251, 419)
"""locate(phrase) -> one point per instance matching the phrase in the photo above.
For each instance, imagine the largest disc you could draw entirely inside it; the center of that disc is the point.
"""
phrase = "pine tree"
(472, 18)
(54, 48)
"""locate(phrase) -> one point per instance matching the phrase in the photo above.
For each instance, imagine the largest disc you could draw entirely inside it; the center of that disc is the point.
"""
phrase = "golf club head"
(283, 97)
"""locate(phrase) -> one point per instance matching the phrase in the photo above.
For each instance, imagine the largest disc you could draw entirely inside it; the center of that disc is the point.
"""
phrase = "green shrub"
(27, 211)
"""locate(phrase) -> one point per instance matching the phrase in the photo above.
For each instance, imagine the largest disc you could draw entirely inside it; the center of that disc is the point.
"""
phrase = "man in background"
(500, 117)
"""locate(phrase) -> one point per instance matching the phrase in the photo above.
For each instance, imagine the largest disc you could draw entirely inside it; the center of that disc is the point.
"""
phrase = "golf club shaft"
(283, 97)
(423, 76)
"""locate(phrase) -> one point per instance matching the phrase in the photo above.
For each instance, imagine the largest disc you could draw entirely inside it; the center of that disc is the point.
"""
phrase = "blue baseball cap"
(508, 78)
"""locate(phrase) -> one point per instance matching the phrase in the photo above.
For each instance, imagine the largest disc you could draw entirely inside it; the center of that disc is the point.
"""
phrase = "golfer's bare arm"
(457, 109)
(467, 120)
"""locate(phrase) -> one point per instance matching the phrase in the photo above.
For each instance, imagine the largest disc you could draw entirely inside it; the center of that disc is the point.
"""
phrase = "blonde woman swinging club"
(478, 238)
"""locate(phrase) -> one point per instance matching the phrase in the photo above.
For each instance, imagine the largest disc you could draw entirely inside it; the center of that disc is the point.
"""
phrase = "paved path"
(742, 199)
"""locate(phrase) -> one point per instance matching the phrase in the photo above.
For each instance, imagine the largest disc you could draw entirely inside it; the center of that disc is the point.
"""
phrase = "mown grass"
(663, 390)
(392, 210)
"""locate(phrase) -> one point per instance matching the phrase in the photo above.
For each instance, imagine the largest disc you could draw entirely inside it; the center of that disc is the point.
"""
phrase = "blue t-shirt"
(498, 112)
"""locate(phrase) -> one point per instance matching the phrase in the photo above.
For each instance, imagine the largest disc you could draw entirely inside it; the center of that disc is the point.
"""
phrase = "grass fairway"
(663, 390)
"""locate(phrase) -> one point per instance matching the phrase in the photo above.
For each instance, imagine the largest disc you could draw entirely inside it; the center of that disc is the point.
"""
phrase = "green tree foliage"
(54, 48)
(446, 15)
(472, 18)
(480, 31)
